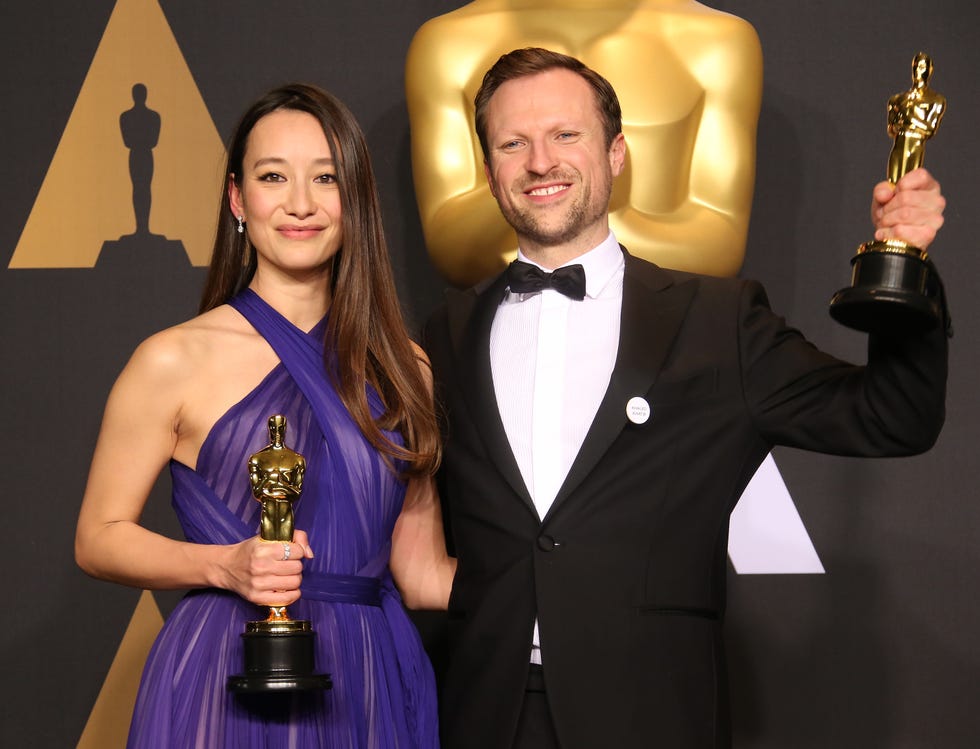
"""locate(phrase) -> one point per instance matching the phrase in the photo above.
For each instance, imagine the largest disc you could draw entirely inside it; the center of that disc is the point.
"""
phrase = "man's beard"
(579, 215)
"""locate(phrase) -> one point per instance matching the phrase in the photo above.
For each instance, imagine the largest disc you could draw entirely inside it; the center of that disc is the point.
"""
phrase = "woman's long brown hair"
(365, 327)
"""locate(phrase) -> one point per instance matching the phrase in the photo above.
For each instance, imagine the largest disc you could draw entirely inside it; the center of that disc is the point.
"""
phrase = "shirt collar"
(602, 263)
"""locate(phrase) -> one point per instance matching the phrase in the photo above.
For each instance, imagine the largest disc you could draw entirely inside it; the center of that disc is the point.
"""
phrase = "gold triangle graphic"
(86, 197)
(108, 723)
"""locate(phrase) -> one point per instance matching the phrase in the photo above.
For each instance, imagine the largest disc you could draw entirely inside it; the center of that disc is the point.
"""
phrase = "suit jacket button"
(547, 543)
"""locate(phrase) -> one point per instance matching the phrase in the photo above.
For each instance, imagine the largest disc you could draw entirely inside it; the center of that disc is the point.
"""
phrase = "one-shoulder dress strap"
(300, 353)
(303, 356)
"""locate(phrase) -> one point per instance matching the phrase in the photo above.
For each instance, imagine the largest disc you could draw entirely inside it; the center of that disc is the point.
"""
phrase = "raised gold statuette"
(893, 285)
(278, 650)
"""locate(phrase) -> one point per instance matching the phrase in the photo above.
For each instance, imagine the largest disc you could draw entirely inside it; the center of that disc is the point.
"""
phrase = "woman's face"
(289, 195)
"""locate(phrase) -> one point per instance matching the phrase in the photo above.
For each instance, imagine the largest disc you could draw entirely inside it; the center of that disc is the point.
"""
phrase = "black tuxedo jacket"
(626, 573)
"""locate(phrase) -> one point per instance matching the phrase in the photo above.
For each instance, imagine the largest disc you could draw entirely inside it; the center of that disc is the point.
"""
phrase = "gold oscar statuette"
(278, 650)
(893, 284)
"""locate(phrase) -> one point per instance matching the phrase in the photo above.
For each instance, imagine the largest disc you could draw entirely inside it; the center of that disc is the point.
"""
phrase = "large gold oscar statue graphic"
(278, 650)
(893, 284)
(690, 82)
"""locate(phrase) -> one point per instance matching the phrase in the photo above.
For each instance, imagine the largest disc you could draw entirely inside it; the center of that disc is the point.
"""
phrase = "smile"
(548, 190)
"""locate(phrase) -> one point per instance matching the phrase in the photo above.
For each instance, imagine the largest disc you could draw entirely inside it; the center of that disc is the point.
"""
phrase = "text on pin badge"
(637, 410)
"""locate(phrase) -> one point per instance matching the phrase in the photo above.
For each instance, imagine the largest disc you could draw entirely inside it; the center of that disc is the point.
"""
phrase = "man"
(596, 442)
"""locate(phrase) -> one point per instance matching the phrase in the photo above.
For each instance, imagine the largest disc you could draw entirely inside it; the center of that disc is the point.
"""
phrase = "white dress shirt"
(551, 358)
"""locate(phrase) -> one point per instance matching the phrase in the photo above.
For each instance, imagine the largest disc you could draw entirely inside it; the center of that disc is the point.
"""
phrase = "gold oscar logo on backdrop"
(134, 176)
(108, 723)
(139, 160)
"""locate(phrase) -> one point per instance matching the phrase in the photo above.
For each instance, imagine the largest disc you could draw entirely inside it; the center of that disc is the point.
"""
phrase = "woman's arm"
(420, 564)
(422, 568)
(139, 433)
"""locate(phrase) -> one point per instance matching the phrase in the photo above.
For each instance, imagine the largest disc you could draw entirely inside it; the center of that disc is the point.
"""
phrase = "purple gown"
(383, 691)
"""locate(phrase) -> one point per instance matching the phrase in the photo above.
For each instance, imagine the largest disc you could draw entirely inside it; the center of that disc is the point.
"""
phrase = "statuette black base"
(893, 289)
(278, 661)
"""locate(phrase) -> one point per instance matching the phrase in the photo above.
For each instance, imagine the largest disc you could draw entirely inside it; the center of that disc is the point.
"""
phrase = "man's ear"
(617, 154)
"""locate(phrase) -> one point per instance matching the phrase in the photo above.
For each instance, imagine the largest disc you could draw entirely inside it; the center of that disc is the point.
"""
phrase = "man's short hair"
(532, 60)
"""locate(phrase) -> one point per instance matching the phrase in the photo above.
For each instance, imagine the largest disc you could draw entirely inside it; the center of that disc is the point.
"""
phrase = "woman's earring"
(241, 224)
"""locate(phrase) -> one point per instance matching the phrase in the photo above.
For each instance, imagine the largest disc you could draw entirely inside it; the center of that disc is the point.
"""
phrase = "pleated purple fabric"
(383, 691)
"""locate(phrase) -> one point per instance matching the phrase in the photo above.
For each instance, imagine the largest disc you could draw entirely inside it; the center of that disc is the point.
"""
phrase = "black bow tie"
(524, 278)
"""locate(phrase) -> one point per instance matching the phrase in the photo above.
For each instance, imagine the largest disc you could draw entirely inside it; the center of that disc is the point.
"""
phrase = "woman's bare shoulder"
(184, 348)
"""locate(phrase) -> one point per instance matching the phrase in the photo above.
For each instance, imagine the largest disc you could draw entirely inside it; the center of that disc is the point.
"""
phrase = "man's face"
(548, 164)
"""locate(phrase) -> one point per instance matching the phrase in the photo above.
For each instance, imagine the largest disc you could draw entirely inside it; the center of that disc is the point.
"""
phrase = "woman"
(299, 318)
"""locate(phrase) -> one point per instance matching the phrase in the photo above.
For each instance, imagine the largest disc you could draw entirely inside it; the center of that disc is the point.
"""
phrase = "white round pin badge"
(637, 410)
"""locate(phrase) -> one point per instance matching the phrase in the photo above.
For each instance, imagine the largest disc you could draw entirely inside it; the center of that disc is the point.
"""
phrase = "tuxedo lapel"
(653, 310)
(470, 319)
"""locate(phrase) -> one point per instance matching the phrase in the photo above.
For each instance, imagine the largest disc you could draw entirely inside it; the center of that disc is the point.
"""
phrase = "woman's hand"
(263, 572)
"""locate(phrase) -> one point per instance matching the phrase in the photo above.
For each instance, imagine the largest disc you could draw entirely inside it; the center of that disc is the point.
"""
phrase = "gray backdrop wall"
(881, 651)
